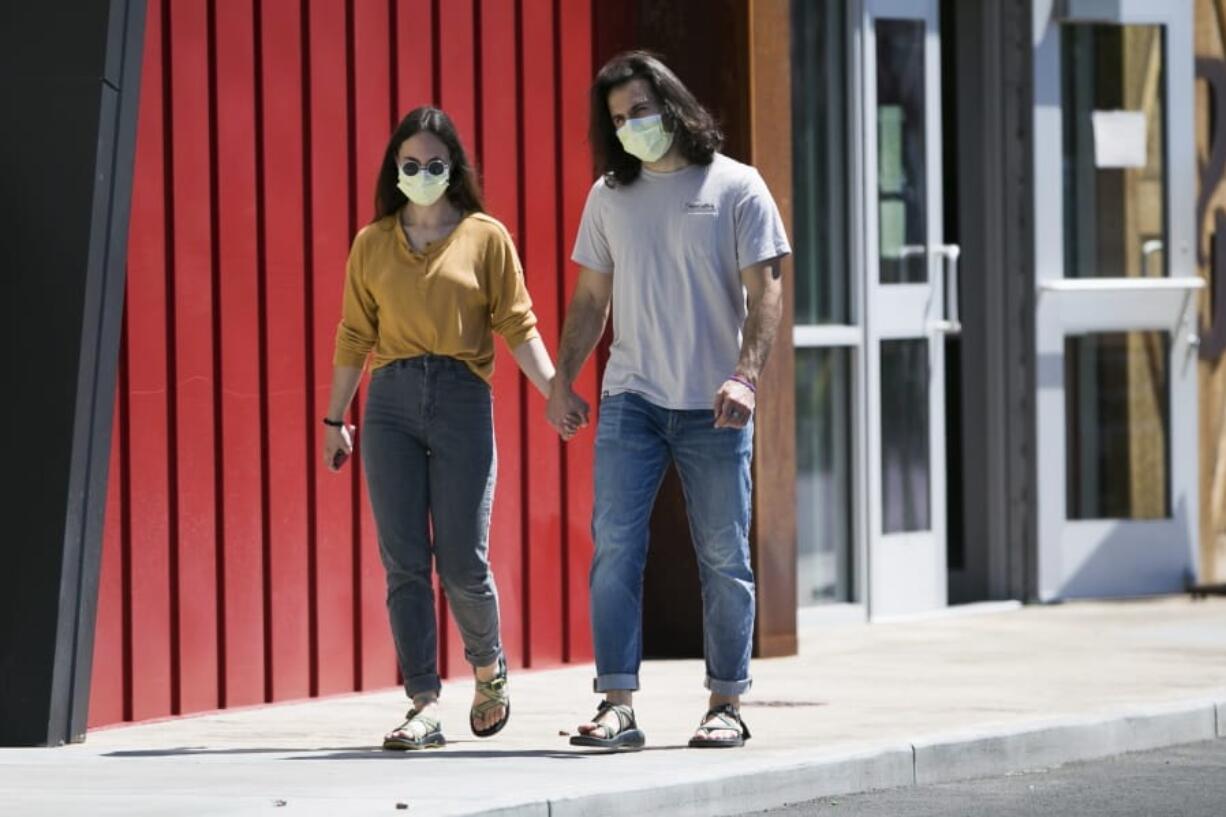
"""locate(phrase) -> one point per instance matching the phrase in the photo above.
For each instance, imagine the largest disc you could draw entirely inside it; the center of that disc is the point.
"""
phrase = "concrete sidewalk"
(862, 707)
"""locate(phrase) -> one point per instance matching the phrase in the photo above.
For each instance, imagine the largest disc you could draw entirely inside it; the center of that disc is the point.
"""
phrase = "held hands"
(567, 411)
(338, 446)
(734, 404)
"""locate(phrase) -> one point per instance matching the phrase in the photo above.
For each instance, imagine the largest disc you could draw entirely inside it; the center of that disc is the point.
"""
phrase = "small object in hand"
(402, 806)
(338, 458)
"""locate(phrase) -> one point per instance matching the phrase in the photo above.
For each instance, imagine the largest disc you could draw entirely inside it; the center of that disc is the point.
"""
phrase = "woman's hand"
(567, 412)
(338, 445)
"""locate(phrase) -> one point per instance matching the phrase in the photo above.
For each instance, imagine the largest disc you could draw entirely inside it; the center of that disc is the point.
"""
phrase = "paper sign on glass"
(1119, 138)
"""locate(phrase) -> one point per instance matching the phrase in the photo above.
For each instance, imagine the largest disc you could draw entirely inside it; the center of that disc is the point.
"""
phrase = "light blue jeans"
(635, 440)
(428, 447)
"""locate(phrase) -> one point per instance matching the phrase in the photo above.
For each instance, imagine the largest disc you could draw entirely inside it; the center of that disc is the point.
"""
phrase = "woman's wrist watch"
(334, 423)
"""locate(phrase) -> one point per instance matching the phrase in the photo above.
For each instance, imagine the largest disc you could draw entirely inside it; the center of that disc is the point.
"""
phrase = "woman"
(427, 284)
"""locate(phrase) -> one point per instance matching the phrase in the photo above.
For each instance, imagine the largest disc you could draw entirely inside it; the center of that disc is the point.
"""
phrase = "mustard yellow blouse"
(448, 299)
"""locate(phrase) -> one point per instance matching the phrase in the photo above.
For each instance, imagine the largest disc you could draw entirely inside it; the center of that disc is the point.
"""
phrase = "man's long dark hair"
(695, 130)
(462, 189)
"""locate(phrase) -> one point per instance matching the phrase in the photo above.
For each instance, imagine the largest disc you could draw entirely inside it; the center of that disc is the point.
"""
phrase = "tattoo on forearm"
(584, 325)
(759, 333)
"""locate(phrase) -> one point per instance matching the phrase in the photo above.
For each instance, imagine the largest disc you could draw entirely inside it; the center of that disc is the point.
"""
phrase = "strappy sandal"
(729, 720)
(626, 737)
(496, 695)
(406, 736)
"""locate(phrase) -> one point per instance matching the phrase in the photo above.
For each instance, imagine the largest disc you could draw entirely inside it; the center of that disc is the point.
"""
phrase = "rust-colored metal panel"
(497, 138)
(371, 105)
(194, 513)
(575, 72)
(241, 426)
(148, 367)
(236, 569)
(539, 246)
(414, 55)
(281, 156)
(329, 232)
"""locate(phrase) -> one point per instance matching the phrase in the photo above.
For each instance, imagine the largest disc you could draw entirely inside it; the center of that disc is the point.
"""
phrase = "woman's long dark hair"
(462, 189)
(695, 130)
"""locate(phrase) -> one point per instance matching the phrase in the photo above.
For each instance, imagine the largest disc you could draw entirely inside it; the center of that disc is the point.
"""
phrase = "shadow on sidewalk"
(377, 753)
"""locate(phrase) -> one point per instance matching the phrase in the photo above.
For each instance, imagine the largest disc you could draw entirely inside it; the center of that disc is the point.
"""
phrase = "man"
(675, 235)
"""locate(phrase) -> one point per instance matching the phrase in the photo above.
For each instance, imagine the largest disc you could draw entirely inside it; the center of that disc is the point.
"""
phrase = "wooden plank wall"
(235, 569)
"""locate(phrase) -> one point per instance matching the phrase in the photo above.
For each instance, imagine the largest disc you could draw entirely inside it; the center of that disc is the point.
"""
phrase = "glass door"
(908, 273)
(1115, 303)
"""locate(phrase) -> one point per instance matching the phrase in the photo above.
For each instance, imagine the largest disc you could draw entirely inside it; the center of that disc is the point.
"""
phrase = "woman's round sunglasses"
(435, 167)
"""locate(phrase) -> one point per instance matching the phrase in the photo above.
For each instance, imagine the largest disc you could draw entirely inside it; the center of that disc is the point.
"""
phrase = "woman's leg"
(463, 468)
(397, 470)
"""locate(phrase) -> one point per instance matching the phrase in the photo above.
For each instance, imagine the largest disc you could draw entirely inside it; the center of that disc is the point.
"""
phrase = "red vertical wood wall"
(235, 569)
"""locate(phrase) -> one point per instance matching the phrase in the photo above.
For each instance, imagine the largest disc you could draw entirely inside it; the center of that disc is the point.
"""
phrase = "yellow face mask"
(645, 138)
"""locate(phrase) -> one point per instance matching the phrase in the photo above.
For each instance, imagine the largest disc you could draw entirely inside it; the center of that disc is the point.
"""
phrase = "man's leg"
(631, 457)
(714, 465)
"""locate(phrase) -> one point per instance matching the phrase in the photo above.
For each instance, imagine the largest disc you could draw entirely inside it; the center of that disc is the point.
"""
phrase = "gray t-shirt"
(676, 244)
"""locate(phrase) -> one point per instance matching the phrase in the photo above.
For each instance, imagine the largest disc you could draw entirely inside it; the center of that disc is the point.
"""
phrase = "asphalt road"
(1182, 781)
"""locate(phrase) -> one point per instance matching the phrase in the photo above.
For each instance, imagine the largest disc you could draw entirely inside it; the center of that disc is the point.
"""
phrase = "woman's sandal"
(496, 695)
(729, 719)
(627, 736)
(419, 731)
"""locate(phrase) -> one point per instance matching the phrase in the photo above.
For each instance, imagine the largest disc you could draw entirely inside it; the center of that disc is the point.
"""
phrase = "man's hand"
(567, 411)
(734, 405)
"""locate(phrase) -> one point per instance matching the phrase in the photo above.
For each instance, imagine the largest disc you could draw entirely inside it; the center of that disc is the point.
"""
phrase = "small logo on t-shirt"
(700, 208)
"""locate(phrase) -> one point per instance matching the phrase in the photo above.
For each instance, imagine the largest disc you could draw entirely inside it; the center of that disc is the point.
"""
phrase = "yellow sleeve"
(511, 312)
(359, 327)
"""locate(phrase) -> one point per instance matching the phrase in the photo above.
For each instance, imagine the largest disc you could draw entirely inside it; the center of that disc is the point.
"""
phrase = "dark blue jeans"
(428, 448)
(635, 440)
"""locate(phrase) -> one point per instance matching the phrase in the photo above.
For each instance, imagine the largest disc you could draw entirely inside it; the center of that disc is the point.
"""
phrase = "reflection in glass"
(905, 490)
(902, 215)
(1118, 427)
(819, 117)
(1114, 143)
(823, 475)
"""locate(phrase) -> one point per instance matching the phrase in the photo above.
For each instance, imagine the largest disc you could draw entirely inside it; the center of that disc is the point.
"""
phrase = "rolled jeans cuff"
(419, 684)
(628, 682)
(483, 659)
(728, 687)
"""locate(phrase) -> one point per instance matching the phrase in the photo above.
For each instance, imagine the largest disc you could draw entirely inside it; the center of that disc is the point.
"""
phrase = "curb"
(955, 756)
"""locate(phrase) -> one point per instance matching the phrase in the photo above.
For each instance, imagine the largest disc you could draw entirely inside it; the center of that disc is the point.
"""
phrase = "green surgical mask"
(645, 138)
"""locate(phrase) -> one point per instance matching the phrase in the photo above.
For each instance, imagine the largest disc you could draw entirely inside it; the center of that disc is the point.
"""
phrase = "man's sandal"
(496, 695)
(419, 731)
(728, 719)
(626, 736)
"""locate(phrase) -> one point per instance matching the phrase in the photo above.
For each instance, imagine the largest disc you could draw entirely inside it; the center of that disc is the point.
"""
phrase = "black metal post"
(71, 75)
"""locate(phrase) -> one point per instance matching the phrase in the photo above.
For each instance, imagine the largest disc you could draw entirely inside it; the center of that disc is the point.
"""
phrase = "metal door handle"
(951, 324)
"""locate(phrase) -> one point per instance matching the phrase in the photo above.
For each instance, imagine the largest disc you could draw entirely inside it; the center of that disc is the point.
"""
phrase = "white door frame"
(906, 571)
(1106, 557)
